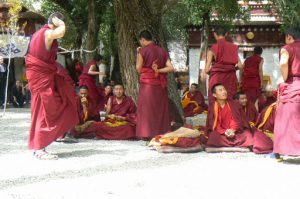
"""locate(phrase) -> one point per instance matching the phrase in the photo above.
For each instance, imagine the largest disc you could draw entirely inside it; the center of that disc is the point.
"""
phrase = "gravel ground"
(128, 169)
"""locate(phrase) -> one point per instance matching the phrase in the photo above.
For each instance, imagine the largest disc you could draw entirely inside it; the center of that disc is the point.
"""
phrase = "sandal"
(44, 155)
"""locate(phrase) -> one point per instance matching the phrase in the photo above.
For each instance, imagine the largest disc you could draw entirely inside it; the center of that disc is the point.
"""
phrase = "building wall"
(270, 67)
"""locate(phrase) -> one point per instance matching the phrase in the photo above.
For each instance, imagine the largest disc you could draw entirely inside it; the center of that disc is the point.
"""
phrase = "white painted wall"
(194, 64)
(178, 54)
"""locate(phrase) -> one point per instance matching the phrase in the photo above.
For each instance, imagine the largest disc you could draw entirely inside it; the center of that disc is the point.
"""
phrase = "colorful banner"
(18, 46)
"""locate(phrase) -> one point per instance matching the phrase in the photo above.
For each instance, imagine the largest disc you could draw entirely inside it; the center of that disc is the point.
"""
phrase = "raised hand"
(57, 22)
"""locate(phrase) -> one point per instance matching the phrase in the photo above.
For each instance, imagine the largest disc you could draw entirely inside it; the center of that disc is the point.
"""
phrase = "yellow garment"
(266, 116)
(115, 123)
(186, 101)
(269, 134)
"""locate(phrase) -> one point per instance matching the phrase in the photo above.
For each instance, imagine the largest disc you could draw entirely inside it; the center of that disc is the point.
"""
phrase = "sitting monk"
(193, 102)
(266, 98)
(87, 113)
(227, 125)
(120, 119)
(263, 136)
(248, 107)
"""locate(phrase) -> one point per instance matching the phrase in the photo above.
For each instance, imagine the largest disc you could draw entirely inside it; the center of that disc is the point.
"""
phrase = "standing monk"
(287, 125)
(223, 56)
(153, 65)
(252, 75)
(53, 100)
(88, 78)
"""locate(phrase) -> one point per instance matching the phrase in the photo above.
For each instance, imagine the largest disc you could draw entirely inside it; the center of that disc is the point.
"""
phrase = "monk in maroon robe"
(53, 102)
(223, 56)
(153, 65)
(120, 122)
(266, 98)
(226, 122)
(88, 78)
(87, 112)
(252, 75)
(248, 108)
(287, 125)
(264, 133)
(106, 94)
(193, 102)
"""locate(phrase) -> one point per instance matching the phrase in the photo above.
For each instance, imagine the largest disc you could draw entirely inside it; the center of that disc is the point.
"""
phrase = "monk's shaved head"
(242, 98)
(294, 32)
(219, 92)
(221, 31)
(214, 88)
(145, 34)
(58, 15)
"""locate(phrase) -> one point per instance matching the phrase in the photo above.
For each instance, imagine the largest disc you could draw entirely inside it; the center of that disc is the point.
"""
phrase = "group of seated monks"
(231, 125)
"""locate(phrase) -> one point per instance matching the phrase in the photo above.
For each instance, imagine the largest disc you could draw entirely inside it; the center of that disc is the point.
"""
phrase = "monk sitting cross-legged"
(87, 113)
(248, 107)
(120, 119)
(263, 135)
(227, 125)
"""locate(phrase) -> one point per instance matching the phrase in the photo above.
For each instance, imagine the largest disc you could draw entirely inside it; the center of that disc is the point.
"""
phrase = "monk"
(248, 108)
(252, 75)
(226, 122)
(287, 125)
(53, 102)
(266, 98)
(87, 113)
(106, 94)
(193, 102)
(120, 122)
(221, 63)
(153, 65)
(88, 78)
(264, 133)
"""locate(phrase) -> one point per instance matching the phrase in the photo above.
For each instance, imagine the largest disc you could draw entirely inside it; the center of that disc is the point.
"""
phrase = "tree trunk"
(92, 32)
(203, 49)
(132, 17)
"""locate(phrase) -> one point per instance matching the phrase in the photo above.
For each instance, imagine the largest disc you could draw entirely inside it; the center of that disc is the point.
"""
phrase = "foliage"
(289, 11)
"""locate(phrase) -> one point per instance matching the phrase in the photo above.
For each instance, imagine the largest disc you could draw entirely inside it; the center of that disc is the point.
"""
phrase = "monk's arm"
(108, 106)
(240, 64)
(57, 33)
(139, 62)
(168, 69)
(284, 60)
(92, 71)
(210, 57)
(261, 72)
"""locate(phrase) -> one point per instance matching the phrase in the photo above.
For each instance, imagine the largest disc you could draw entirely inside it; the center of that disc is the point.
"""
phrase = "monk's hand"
(120, 118)
(138, 50)
(111, 116)
(155, 68)
(57, 22)
(84, 100)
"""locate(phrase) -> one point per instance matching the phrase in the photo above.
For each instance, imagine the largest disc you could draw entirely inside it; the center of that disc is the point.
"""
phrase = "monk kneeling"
(227, 125)
(120, 119)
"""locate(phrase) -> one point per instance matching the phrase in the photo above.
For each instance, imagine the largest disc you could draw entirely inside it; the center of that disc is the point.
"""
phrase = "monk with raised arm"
(222, 59)
(53, 100)
(153, 65)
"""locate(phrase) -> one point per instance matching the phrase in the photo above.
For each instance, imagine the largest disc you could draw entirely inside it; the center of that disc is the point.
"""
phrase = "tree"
(132, 17)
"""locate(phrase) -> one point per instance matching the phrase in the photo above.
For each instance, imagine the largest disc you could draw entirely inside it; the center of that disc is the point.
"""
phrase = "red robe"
(231, 116)
(191, 109)
(125, 109)
(104, 99)
(251, 83)
(250, 112)
(88, 80)
(152, 107)
(262, 140)
(287, 125)
(223, 69)
(53, 100)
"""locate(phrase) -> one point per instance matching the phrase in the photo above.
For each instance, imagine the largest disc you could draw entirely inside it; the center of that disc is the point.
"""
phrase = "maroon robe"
(231, 116)
(250, 112)
(88, 80)
(264, 124)
(53, 99)
(264, 102)
(104, 99)
(199, 99)
(223, 69)
(287, 125)
(152, 108)
(125, 109)
(251, 84)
